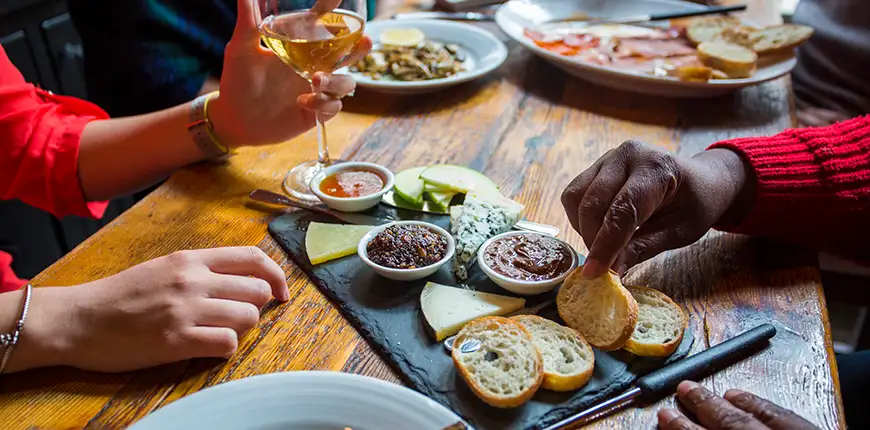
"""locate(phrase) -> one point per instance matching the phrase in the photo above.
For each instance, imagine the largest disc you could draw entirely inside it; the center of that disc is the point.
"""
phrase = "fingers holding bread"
(601, 309)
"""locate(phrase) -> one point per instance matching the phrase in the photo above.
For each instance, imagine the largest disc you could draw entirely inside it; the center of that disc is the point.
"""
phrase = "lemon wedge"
(402, 37)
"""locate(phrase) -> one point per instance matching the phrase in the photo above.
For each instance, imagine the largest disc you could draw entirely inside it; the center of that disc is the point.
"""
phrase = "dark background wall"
(41, 41)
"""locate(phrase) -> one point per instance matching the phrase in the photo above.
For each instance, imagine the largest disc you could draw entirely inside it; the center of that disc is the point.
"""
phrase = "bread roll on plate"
(660, 324)
(601, 309)
(568, 359)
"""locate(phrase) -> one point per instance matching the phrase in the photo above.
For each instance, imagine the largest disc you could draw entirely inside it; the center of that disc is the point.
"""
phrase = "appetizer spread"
(708, 48)
(407, 246)
(503, 353)
(528, 257)
(404, 54)
(352, 183)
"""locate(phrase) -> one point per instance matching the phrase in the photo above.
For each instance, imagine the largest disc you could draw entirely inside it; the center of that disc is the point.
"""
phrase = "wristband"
(201, 129)
(10, 340)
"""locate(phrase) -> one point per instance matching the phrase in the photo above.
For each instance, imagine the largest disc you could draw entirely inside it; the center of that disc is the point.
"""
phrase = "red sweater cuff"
(812, 186)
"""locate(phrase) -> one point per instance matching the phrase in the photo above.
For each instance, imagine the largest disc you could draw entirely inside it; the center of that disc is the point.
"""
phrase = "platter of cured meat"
(688, 58)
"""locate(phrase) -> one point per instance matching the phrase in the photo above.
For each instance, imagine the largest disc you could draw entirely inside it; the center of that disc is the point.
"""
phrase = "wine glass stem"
(322, 148)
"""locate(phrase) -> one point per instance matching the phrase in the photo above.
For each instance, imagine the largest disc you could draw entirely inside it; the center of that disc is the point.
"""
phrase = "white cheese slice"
(324, 242)
(448, 309)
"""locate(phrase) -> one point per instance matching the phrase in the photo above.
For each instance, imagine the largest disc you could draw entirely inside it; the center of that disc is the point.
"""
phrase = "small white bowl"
(352, 204)
(524, 288)
(406, 274)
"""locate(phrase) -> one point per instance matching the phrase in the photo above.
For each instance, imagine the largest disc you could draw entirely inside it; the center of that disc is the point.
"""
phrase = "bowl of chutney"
(352, 186)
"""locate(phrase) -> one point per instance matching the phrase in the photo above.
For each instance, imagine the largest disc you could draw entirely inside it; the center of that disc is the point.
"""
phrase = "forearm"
(811, 187)
(123, 155)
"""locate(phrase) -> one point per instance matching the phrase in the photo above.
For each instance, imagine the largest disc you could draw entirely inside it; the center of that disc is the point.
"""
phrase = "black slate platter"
(387, 314)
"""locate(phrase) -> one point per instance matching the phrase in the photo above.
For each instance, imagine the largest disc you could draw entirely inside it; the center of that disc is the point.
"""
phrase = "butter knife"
(348, 217)
(455, 16)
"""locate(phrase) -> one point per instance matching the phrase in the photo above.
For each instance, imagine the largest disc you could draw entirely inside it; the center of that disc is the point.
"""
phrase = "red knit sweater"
(812, 187)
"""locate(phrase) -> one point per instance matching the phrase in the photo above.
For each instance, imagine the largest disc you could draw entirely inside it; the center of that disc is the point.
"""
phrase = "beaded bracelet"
(10, 340)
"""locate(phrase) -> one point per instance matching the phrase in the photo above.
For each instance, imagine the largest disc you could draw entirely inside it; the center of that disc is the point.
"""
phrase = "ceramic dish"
(484, 54)
(515, 16)
(406, 274)
(352, 204)
(301, 401)
(525, 288)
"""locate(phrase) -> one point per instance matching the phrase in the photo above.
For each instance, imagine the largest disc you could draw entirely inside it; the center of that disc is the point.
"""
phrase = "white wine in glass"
(311, 36)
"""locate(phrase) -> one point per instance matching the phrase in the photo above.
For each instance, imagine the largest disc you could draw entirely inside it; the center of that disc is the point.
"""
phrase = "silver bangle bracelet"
(10, 340)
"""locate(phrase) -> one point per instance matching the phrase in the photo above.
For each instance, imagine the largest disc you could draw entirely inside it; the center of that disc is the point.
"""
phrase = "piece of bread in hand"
(707, 29)
(734, 60)
(779, 37)
(507, 369)
(660, 324)
(568, 359)
(601, 309)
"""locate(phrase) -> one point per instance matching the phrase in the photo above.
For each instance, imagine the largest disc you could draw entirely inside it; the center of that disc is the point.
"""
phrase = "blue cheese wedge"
(448, 309)
(482, 216)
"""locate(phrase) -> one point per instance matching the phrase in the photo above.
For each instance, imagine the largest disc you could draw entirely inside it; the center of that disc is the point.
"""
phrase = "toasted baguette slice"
(779, 37)
(601, 309)
(707, 29)
(507, 369)
(740, 35)
(660, 324)
(568, 359)
(735, 60)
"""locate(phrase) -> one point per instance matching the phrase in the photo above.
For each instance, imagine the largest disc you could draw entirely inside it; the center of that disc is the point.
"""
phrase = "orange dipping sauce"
(352, 183)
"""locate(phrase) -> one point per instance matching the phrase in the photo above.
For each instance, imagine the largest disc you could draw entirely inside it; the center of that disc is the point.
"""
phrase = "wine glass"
(311, 36)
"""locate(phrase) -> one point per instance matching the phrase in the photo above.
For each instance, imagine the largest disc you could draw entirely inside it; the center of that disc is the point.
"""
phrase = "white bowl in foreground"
(352, 204)
(524, 288)
(301, 400)
(483, 50)
(406, 274)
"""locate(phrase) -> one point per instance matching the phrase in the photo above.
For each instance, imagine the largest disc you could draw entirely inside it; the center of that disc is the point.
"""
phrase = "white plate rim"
(316, 378)
(500, 50)
(723, 84)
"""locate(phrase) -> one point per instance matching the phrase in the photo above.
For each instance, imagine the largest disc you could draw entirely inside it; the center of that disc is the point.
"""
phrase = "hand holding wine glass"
(261, 100)
(313, 37)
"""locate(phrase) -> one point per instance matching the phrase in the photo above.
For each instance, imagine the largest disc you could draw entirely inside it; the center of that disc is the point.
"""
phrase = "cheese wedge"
(324, 242)
(448, 309)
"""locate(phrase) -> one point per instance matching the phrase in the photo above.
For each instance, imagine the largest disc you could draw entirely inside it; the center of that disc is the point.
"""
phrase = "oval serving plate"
(517, 15)
(484, 53)
(302, 401)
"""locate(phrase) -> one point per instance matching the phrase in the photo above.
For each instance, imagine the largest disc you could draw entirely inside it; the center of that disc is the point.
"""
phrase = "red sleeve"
(39, 139)
(812, 187)
(8, 280)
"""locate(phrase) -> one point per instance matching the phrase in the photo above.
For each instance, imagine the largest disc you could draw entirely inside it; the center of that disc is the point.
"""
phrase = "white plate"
(517, 15)
(302, 401)
(484, 54)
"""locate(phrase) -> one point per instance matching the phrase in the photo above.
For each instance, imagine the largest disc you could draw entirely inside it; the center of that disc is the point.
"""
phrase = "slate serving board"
(387, 314)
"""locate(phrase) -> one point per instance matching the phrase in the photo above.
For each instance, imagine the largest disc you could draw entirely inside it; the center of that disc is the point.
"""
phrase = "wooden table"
(531, 129)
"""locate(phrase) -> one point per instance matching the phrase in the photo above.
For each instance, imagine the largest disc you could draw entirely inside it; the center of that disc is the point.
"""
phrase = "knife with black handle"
(664, 381)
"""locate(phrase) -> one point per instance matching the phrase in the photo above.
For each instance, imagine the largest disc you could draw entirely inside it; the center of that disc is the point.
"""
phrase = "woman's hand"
(262, 100)
(185, 305)
(637, 201)
(739, 410)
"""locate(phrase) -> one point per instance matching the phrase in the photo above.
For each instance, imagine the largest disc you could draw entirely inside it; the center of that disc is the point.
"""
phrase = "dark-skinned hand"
(637, 201)
(739, 410)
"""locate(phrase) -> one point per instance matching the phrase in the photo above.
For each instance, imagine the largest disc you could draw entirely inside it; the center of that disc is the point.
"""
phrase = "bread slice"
(660, 324)
(735, 60)
(507, 369)
(779, 37)
(739, 35)
(568, 359)
(707, 29)
(601, 309)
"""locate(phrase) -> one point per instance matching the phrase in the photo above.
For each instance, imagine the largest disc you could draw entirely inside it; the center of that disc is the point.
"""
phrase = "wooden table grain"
(530, 128)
